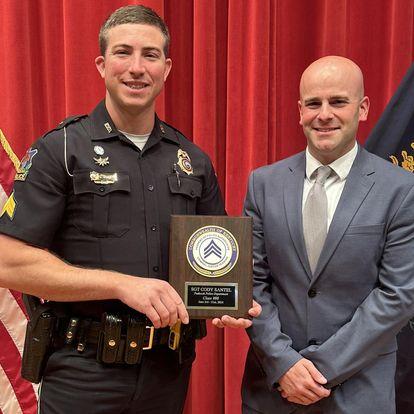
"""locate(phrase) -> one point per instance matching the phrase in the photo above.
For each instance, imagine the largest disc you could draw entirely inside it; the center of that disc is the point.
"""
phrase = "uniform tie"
(315, 217)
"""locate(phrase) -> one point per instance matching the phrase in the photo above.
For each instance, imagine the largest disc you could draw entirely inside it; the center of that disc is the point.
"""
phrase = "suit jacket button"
(312, 293)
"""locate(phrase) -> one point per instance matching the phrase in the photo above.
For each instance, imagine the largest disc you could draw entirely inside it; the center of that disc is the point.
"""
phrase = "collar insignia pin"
(101, 161)
(108, 127)
(98, 150)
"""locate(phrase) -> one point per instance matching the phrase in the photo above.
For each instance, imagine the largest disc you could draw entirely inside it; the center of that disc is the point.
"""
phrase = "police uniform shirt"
(87, 193)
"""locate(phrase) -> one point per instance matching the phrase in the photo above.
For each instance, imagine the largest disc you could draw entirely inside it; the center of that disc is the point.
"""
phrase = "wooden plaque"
(211, 264)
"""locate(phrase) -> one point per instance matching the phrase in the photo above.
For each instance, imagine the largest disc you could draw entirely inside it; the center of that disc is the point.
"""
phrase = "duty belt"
(120, 340)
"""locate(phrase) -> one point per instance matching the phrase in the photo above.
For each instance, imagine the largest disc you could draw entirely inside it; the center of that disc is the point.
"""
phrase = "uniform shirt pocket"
(102, 210)
(185, 191)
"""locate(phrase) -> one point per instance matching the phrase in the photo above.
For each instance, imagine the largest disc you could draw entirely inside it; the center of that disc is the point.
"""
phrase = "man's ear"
(364, 108)
(100, 65)
(300, 112)
(168, 66)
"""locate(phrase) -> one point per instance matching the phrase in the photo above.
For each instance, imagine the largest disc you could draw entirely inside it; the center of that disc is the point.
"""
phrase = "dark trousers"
(76, 383)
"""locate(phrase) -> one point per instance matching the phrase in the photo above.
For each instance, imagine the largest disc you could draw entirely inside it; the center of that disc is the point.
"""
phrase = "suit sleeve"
(372, 328)
(272, 347)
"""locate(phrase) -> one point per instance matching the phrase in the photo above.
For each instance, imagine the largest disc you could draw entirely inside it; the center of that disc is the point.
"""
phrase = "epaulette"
(173, 128)
(67, 121)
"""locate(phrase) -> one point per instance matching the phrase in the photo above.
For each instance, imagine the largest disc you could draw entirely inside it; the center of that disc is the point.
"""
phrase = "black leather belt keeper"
(134, 340)
(109, 339)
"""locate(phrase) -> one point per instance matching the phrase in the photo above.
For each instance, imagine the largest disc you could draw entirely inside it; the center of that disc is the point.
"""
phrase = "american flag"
(17, 396)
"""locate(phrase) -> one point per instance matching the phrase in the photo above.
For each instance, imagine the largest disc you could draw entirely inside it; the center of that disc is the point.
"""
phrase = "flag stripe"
(14, 320)
(10, 360)
(3, 196)
(17, 395)
(8, 400)
(18, 298)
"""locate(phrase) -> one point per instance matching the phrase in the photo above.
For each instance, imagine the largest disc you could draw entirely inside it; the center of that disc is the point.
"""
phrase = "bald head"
(329, 69)
(331, 105)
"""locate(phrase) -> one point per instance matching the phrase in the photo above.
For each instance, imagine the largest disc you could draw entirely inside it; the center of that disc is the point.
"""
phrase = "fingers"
(305, 397)
(299, 385)
(167, 310)
(179, 305)
(239, 323)
(227, 321)
(313, 371)
(235, 323)
(301, 400)
(256, 310)
(217, 323)
(157, 299)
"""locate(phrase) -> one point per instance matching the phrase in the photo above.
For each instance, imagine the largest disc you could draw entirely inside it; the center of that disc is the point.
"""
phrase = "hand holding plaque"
(211, 264)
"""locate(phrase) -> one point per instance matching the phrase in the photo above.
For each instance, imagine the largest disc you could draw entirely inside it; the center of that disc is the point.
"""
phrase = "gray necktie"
(315, 217)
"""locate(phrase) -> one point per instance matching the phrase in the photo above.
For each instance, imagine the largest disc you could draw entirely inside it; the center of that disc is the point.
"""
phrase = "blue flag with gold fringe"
(393, 139)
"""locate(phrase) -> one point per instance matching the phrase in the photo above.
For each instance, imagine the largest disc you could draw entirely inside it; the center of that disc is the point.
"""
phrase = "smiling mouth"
(135, 86)
(326, 129)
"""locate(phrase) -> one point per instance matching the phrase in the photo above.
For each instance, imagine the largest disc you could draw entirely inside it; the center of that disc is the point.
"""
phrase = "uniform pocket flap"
(187, 186)
(100, 183)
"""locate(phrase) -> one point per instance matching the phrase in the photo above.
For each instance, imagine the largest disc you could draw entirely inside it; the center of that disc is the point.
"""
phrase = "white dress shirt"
(335, 183)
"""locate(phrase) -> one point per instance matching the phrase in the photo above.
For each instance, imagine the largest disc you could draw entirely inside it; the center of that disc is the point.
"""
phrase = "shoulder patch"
(25, 165)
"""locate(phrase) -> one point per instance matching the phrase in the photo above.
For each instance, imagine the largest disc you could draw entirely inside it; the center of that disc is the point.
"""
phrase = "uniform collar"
(103, 128)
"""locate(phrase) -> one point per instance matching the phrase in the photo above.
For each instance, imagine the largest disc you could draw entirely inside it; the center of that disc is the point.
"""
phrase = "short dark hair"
(137, 15)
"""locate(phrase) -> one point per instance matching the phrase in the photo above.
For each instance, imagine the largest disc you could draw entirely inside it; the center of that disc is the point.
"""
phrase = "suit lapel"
(292, 195)
(358, 184)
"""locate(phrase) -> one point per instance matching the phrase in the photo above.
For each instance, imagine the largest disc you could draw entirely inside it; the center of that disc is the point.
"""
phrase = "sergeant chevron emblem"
(212, 248)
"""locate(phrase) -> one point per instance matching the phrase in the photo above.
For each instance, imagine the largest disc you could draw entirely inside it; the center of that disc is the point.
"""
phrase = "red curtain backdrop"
(233, 89)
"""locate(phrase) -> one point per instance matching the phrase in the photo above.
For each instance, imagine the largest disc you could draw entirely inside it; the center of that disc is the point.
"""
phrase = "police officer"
(87, 229)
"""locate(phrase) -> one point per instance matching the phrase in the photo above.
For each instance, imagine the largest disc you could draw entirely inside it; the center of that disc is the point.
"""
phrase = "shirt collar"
(103, 128)
(341, 166)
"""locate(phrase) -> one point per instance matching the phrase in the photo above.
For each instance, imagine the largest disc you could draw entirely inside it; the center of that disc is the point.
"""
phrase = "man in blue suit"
(333, 261)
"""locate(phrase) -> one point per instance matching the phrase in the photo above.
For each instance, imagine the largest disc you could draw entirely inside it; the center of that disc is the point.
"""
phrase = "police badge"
(184, 162)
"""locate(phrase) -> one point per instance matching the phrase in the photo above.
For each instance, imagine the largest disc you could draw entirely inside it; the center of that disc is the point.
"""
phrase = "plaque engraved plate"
(214, 295)
(211, 264)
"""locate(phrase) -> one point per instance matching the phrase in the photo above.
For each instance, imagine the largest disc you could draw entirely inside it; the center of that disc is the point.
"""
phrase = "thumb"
(255, 310)
(315, 374)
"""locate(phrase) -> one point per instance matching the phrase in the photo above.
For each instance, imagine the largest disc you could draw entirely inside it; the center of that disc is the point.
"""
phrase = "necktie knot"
(322, 174)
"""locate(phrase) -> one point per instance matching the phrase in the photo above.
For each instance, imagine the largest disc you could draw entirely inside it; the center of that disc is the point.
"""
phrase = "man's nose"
(137, 66)
(325, 112)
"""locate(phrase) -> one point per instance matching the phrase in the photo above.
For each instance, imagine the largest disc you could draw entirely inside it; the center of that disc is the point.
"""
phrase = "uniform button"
(153, 228)
(155, 268)
(313, 342)
(312, 293)
(192, 192)
(102, 189)
(150, 187)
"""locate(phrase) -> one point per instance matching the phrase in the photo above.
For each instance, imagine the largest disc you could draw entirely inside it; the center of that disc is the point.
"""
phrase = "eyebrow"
(316, 99)
(126, 46)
